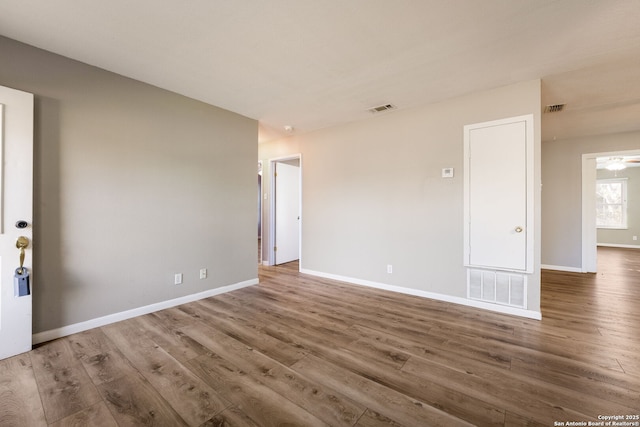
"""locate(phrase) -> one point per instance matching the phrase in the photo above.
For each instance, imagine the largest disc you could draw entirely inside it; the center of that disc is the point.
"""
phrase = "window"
(611, 203)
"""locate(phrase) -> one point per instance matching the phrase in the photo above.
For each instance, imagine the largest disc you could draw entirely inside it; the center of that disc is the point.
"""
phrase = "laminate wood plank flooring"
(20, 403)
(63, 382)
(298, 350)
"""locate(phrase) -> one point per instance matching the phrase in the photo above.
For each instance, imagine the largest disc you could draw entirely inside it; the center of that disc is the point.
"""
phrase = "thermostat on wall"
(447, 172)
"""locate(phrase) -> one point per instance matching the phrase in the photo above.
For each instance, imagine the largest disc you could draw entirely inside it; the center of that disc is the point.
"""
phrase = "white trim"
(272, 208)
(615, 245)
(261, 208)
(431, 295)
(52, 334)
(589, 231)
(561, 268)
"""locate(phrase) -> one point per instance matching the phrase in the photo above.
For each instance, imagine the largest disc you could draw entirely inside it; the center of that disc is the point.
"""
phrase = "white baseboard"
(52, 334)
(431, 295)
(561, 268)
(615, 245)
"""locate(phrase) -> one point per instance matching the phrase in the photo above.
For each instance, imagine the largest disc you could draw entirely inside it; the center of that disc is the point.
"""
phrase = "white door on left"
(16, 210)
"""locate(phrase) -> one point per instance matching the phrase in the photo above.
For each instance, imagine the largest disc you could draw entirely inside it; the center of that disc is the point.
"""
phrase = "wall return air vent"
(381, 108)
(497, 287)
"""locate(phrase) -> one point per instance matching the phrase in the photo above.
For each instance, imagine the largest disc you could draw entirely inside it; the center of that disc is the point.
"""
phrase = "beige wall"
(561, 194)
(132, 184)
(373, 193)
(624, 237)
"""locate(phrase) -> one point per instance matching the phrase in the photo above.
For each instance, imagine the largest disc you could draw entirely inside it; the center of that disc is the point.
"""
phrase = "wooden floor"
(302, 351)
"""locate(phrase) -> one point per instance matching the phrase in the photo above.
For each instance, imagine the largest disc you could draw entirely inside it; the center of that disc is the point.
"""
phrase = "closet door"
(498, 194)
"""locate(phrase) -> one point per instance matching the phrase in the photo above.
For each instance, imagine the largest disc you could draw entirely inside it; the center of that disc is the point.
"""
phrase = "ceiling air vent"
(382, 108)
(556, 108)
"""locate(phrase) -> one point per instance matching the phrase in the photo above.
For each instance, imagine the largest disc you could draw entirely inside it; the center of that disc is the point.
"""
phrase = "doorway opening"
(285, 238)
(589, 229)
(259, 212)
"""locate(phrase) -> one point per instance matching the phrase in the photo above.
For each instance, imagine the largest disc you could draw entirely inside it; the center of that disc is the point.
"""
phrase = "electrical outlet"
(635, 237)
(177, 279)
(389, 268)
(203, 273)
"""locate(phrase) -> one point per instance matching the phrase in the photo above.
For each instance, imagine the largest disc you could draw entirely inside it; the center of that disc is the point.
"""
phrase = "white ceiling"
(318, 63)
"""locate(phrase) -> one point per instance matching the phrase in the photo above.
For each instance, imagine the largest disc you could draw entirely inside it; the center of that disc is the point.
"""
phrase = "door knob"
(22, 243)
(518, 229)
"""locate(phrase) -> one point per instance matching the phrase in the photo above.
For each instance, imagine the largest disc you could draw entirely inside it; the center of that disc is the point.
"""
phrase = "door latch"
(21, 285)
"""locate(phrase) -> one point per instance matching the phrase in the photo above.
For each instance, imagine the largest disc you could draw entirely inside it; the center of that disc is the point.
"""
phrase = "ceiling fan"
(617, 163)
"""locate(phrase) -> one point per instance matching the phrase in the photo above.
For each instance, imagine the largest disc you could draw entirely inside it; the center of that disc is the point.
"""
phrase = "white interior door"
(499, 223)
(287, 212)
(16, 183)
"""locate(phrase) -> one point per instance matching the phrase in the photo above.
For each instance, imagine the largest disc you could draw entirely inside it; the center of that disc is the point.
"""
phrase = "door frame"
(530, 232)
(260, 210)
(272, 208)
(589, 229)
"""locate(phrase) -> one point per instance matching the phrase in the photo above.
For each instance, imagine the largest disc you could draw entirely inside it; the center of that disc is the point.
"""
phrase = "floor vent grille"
(497, 287)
